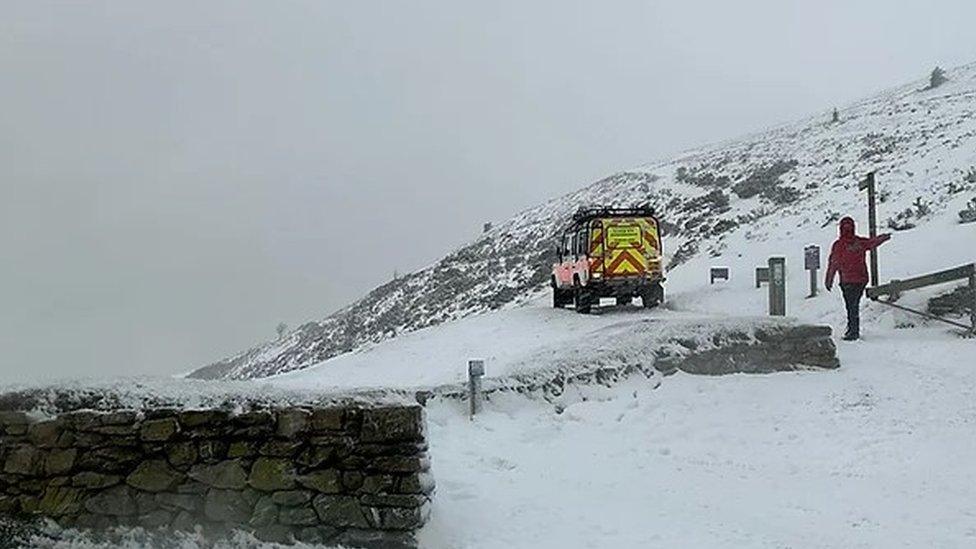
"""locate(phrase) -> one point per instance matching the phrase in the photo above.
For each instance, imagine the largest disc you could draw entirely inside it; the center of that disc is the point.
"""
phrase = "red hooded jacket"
(847, 255)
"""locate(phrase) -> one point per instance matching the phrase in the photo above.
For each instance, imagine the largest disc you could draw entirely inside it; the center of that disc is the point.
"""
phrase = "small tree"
(937, 78)
(281, 329)
(835, 117)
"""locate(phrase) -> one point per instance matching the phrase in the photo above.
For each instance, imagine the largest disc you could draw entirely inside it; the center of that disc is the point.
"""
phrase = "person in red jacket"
(847, 258)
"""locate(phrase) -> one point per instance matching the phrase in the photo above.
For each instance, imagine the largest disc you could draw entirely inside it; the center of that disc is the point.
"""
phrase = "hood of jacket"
(847, 227)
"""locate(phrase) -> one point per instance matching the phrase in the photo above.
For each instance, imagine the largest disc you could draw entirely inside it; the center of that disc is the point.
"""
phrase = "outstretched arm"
(874, 242)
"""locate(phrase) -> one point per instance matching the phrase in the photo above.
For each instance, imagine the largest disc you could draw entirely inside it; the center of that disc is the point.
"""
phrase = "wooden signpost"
(762, 275)
(869, 184)
(718, 273)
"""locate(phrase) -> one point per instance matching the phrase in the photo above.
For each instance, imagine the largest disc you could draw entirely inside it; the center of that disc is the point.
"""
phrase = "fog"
(178, 177)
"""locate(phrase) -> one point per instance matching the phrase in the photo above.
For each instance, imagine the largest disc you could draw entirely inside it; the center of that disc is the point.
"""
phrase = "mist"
(178, 177)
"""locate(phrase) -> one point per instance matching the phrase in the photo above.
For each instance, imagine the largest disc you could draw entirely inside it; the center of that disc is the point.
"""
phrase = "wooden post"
(869, 184)
(476, 369)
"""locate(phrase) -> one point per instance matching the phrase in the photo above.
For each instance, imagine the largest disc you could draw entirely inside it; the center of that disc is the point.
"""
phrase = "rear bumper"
(622, 285)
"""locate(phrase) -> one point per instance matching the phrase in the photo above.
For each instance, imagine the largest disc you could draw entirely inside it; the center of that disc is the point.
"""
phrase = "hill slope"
(921, 143)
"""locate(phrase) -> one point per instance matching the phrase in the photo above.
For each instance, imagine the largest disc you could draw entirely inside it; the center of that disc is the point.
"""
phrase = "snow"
(877, 454)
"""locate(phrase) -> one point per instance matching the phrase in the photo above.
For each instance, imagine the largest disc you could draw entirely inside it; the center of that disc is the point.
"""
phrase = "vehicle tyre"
(583, 300)
(561, 298)
(652, 296)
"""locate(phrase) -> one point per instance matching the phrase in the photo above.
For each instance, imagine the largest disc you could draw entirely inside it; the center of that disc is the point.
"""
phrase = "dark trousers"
(852, 300)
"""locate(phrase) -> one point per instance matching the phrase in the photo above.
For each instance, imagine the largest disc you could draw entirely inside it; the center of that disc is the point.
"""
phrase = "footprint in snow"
(500, 464)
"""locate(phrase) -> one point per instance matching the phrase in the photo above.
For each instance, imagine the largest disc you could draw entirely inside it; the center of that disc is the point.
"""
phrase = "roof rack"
(590, 212)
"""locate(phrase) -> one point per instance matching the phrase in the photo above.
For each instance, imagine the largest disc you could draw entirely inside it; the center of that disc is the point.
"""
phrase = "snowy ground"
(880, 453)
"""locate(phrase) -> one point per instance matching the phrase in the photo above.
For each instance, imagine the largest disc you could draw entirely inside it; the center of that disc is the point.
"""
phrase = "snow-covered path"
(881, 453)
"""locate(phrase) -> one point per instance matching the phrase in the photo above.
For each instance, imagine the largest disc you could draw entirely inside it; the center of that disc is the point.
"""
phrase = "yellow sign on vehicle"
(623, 236)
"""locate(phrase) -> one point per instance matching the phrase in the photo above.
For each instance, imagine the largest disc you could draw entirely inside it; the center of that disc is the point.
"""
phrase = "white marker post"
(476, 369)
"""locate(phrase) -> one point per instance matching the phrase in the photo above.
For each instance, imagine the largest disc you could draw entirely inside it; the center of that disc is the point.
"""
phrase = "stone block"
(60, 461)
(265, 513)
(228, 475)
(275, 533)
(80, 420)
(352, 480)
(328, 481)
(154, 476)
(9, 504)
(298, 516)
(182, 454)
(316, 456)
(212, 450)
(94, 481)
(395, 449)
(393, 424)
(259, 423)
(58, 501)
(394, 500)
(116, 501)
(118, 417)
(378, 484)
(177, 502)
(375, 539)
(291, 498)
(399, 464)
(109, 459)
(242, 449)
(160, 518)
(326, 419)
(281, 448)
(8, 418)
(272, 474)
(416, 483)
(159, 430)
(340, 511)
(24, 460)
(402, 518)
(230, 506)
(195, 419)
(292, 421)
(45, 434)
(185, 522)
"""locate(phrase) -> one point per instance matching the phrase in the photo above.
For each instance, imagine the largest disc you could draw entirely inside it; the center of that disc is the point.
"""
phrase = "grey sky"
(178, 177)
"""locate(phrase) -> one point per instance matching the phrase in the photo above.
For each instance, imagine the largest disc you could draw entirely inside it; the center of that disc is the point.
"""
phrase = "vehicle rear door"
(624, 248)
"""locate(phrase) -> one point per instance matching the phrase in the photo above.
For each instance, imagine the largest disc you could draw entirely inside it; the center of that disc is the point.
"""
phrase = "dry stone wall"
(356, 476)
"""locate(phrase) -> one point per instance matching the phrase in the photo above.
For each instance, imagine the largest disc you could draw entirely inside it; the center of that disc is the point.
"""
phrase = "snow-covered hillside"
(921, 143)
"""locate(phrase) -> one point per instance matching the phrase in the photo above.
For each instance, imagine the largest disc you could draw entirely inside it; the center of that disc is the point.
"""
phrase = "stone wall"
(355, 475)
(765, 350)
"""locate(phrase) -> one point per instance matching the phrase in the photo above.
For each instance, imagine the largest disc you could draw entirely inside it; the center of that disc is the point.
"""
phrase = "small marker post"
(777, 286)
(811, 261)
(476, 370)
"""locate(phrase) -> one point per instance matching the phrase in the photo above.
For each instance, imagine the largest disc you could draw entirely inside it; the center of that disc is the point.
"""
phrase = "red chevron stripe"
(625, 256)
